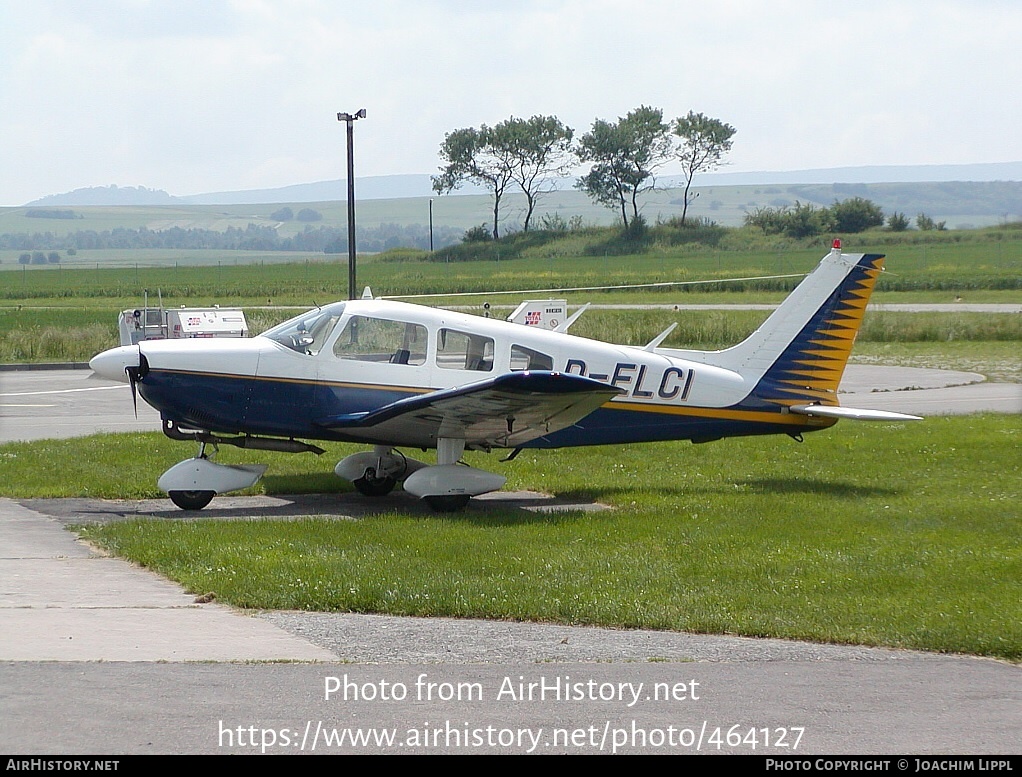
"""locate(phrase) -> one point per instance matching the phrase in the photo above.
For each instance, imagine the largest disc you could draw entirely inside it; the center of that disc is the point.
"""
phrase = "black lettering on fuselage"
(639, 380)
(575, 367)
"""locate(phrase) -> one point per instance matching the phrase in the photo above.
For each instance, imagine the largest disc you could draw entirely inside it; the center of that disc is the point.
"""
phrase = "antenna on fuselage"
(572, 318)
(367, 293)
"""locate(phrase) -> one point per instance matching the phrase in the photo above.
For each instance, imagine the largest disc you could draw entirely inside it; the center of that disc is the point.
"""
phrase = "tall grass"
(711, 329)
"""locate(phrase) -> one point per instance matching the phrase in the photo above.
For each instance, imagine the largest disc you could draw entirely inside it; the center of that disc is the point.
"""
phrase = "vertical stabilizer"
(799, 353)
(811, 365)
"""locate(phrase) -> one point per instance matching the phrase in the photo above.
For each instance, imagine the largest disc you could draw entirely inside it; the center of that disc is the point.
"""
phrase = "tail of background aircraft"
(798, 355)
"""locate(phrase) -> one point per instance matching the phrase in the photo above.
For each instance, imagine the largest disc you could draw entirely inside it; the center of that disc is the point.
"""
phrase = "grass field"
(889, 534)
(988, 260)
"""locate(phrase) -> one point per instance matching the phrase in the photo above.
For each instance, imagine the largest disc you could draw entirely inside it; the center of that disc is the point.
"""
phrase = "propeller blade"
(135, 374)
(132, 373)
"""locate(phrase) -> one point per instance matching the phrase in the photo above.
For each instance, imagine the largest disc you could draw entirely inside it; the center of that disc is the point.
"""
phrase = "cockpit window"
(381, 340)
(308, 332)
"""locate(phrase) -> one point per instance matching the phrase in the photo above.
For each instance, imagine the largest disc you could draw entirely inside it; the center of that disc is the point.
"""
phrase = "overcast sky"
(195, 96)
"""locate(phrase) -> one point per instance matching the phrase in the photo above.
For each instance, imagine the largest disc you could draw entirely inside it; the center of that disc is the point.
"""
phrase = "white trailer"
(177, 323)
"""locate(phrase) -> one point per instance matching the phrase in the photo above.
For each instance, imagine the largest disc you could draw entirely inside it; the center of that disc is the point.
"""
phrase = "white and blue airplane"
(395, 375)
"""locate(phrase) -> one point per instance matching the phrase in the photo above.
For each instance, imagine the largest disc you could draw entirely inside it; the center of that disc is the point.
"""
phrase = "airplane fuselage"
(277, 385)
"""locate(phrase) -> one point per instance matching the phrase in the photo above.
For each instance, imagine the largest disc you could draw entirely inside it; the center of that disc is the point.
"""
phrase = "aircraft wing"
(501, 412)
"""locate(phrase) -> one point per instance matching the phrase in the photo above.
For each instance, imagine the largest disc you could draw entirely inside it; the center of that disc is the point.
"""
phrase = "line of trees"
(252, 238)
(38, 257)
(623, 157)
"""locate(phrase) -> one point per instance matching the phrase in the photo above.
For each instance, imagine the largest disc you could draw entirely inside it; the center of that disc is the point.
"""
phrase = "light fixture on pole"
(350, 118)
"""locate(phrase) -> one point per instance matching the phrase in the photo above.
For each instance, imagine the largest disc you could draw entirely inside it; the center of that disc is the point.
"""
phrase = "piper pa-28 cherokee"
(391, 374)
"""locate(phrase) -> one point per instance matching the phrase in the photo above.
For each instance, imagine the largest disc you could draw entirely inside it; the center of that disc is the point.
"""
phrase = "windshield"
(308, 332)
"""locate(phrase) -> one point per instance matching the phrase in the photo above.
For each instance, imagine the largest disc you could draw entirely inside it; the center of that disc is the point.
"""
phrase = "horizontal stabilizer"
(853, 413)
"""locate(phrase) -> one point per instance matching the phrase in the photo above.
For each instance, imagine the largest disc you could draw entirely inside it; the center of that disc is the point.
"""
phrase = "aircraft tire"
(369, 485)
(191, 500)
(447, 503)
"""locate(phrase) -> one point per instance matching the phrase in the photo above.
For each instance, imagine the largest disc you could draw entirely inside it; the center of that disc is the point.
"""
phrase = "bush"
(927, 224)
(802, 220)
(636, 229)
(856, 215)
(553, 222)
(480, 234)
(897, 222)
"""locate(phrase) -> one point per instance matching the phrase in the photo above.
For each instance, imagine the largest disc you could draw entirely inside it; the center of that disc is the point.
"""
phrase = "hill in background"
(395, 211)
(403, 186)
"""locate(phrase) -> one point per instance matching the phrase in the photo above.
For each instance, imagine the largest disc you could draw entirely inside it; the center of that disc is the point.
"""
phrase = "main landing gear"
(446, 486)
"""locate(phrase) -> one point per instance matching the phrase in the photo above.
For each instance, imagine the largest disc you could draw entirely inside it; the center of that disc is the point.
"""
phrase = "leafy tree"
(308, 214)
(856, 215)
(282, 214)
(897, 222)
(53, 257)
(540, 150)
(704, 142)
(478, 156)
(625, 157)
(25, 259)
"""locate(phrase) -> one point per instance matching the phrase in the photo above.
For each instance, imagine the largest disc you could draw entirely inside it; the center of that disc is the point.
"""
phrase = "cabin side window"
(463, 351)
(523, 358)
(381, 340)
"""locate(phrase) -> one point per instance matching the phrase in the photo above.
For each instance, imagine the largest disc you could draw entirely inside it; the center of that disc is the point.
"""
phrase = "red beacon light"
(836, 244)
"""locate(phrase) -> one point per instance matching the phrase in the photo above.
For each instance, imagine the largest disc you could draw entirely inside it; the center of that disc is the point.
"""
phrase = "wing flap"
(502, 412)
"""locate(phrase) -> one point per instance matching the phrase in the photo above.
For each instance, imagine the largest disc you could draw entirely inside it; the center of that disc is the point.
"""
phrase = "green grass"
(964, 262)
(889, 534)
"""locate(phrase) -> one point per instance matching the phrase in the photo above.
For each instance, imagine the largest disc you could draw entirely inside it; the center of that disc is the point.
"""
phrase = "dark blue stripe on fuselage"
(282, 408)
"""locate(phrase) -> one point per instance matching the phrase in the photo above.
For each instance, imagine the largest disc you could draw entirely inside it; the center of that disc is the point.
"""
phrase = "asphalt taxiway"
(100, 656)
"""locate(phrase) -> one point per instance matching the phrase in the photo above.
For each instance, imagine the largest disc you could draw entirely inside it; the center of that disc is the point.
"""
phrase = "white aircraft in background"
(393, 375)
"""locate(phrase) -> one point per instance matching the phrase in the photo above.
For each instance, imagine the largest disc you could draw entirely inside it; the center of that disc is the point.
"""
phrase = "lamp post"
(350, 118)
